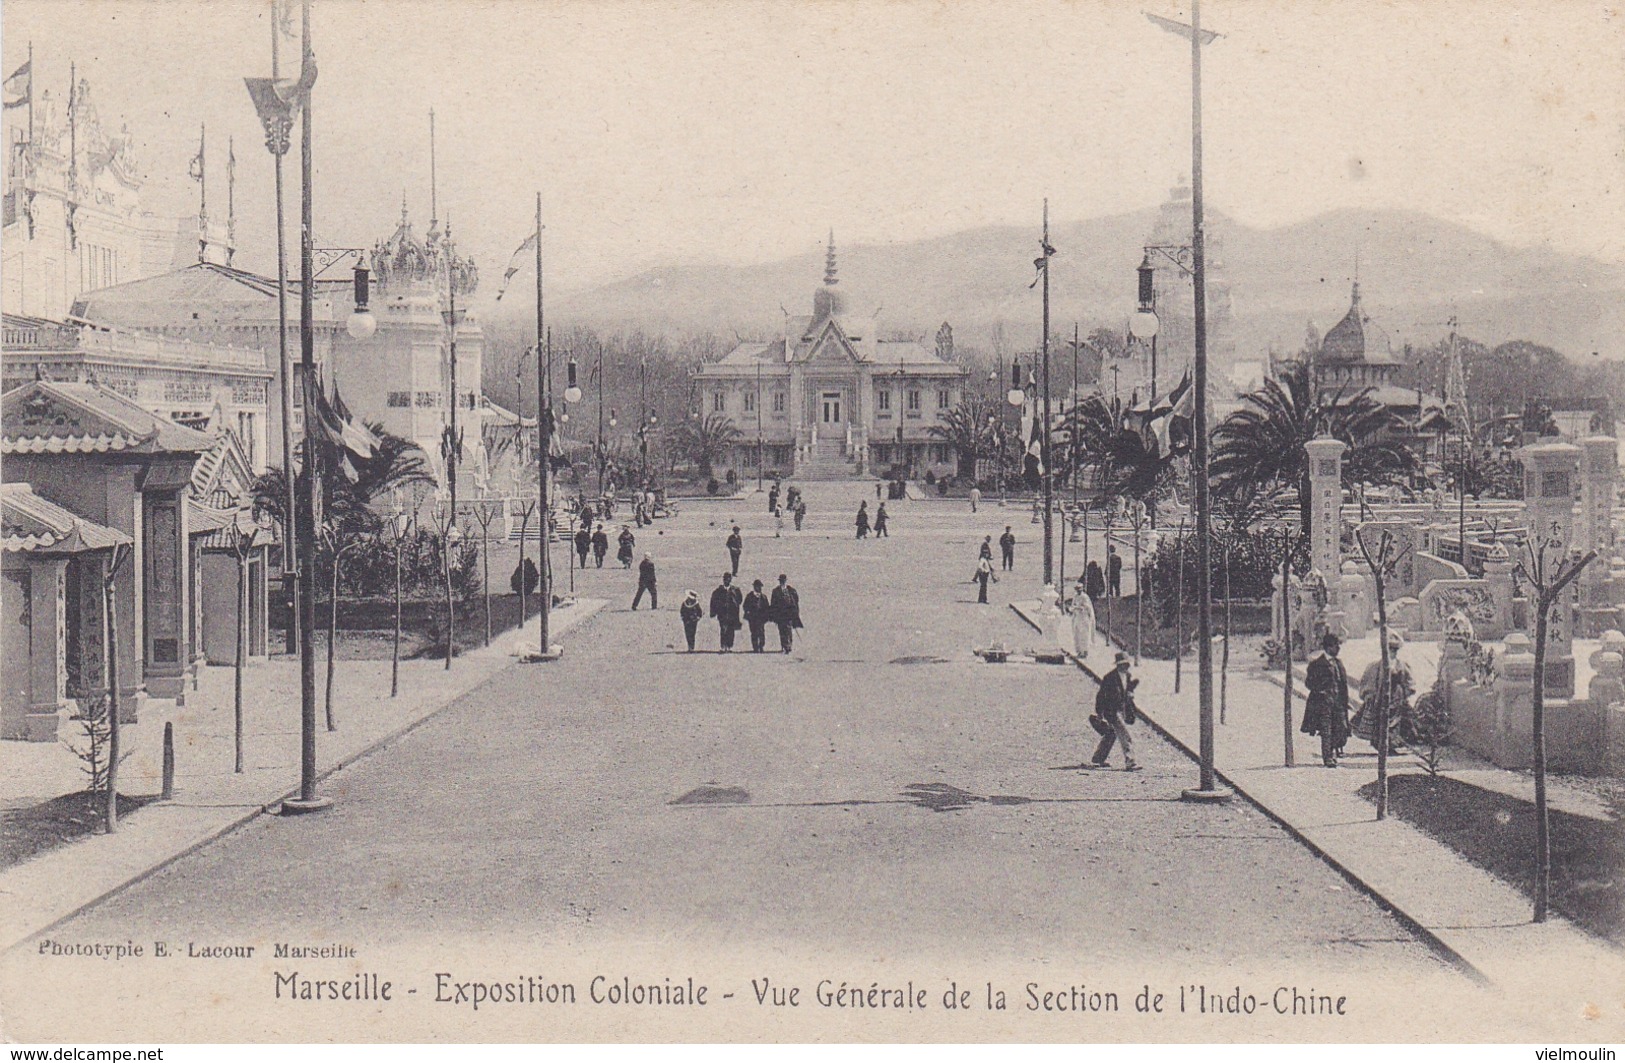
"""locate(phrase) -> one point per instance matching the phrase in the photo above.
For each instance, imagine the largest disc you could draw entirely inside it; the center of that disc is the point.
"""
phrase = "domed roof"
(1355, 338)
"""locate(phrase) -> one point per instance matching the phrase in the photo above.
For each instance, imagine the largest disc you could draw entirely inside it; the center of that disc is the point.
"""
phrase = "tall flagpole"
(544, 437)
(1049, 499)
(285, 365)
(1208, 789)
(308, 801)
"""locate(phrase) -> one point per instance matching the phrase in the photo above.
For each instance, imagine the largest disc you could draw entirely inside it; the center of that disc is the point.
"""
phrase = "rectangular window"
(719, 402)
(428, 399)
(750, 402)
(400, 399)
(942, 398)
(913, 402)
(883, 401)
(778, 402)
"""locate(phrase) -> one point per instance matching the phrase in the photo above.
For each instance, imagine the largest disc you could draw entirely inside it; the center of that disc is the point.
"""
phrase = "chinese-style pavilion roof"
(31, 524)
(50, 417)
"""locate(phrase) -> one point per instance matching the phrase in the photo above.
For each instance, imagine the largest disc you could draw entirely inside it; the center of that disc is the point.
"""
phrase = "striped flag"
(515, 263)
(19, 87)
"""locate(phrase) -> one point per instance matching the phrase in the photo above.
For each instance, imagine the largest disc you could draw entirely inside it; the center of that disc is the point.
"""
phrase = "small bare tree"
(484, 514)
(1549, 572)
(331, 537)
(1384, 562)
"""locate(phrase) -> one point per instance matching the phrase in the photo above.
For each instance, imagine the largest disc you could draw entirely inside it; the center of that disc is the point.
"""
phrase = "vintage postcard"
(812, 522)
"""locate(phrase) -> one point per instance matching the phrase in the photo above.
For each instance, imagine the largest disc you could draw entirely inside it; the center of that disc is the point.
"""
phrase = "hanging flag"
(194, 169)
(358, 438)
(515, 263)
(19, 87)
(1179, 29)
(1041, 264)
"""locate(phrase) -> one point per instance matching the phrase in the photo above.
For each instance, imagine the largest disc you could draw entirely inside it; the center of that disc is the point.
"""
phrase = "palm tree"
(965, 428)
(1123, 466)
(704, 441)
(1264, 440)
(394, 463)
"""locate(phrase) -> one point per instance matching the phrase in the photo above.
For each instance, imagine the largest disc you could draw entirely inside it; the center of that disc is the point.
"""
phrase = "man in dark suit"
(736, 545)
(1007, 548)
(725, 604)
(757, 610)
(1114, 703)
(1326, 708)
(785, 608)
(646, 582)
(1114, 572)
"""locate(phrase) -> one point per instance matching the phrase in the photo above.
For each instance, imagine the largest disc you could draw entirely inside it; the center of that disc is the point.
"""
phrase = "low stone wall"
(1494, 716)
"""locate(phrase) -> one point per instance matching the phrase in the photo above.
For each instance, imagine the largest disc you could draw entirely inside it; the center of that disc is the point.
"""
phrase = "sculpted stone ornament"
(1458, 627)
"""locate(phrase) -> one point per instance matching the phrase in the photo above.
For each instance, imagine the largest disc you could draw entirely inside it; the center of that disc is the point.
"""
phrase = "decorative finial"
(1356, 277)
(830, 278)
(403, 206)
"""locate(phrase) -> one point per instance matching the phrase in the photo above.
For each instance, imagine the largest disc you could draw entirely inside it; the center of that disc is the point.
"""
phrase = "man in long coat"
(736, 545)
(785, 608)
(1326, 708)
(757, 612)
(1007, 548)
(726, 601)
(583, 543)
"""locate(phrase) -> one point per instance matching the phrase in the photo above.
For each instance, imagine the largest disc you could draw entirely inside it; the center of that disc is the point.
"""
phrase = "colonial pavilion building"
(829, 397)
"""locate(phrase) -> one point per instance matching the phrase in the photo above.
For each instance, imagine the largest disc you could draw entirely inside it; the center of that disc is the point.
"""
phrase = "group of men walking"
(732, 609)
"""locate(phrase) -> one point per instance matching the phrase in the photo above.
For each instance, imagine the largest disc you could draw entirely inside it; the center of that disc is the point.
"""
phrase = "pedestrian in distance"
(1114, 572)
(877, 490)
(1326, 708)
(1007, 548)
(800, 511)
(690, 613)
(758, 611)
(627, 541)
(778, 522)
(600, 545)
(862, 523)
(985, 552)
(1114, 708)
(725, 605)
(736, 546)
(981, 577)
(785, 606)
(975, 497)
(583, 544)
(1094, 581)
(646, 582)
(880, 522)
(773, 498)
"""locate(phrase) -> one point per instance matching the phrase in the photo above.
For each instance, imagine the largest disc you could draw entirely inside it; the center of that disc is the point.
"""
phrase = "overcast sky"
(659, 132)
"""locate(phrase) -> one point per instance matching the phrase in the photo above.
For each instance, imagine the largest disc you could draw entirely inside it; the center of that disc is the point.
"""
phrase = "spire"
(403, 206)
(830, 280)
(1354, 300)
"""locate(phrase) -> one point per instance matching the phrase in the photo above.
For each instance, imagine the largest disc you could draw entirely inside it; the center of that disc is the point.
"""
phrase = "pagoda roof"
(32, 524)
(50, 417)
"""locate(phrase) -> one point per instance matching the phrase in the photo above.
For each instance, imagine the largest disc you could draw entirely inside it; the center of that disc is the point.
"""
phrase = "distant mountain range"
(1416, 272)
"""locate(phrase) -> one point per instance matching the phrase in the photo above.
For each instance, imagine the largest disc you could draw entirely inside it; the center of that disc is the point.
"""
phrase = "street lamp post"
(308, 800)
(1044, 447)
(454, 442)
(1208, 788)
(1017, 398)
(276, 114)
(758, 426)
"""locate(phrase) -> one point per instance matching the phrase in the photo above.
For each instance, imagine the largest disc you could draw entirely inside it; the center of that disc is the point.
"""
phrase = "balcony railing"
(135, 345)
